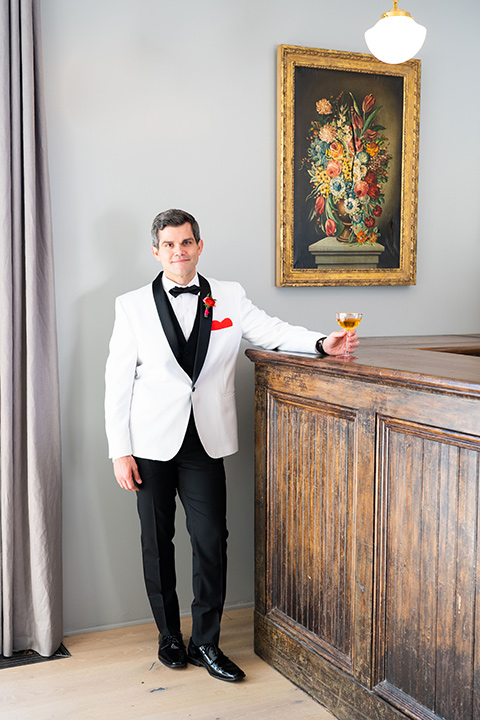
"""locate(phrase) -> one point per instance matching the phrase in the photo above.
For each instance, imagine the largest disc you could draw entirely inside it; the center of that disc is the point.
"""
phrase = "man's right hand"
(126, 472)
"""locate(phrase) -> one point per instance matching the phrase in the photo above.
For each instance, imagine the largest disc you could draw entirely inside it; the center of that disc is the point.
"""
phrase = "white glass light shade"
(395, 39)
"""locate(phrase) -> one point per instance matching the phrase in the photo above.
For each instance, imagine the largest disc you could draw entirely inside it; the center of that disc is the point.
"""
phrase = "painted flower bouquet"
(347, 161)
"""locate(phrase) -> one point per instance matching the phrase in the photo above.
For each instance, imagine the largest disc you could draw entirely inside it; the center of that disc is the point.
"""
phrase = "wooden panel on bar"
(428, 483)
(367, 520)
(310, 554)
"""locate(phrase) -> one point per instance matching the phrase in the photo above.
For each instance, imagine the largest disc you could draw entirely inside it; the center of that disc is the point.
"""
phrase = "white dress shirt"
(184, 306)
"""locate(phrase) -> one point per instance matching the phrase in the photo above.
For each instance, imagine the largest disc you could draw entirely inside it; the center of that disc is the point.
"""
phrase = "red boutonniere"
(209, 302)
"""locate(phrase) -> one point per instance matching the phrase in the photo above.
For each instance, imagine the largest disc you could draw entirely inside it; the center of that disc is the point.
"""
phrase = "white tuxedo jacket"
(149, 396)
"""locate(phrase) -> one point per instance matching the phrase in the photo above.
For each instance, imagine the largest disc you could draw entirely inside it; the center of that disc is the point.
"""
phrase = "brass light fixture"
(396, 37)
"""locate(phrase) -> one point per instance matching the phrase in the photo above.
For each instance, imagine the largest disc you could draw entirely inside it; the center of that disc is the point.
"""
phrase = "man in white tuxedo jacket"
(171, 419)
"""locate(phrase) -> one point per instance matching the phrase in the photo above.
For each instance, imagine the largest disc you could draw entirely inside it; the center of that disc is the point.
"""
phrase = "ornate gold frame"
(288, 59)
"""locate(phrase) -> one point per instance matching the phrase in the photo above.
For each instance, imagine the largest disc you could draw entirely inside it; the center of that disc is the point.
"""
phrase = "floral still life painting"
(347, 169)
(347, 162)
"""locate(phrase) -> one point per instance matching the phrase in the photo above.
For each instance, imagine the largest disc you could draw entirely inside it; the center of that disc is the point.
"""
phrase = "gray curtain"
(30, 477)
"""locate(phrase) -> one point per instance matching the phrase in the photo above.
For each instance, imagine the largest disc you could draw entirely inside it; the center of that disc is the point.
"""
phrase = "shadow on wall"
(103, 578)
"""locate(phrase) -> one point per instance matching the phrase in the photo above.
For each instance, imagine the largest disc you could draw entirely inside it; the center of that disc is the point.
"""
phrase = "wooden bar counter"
(367, 526)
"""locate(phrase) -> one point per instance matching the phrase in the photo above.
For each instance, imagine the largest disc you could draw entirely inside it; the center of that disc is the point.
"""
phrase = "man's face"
(178, 252)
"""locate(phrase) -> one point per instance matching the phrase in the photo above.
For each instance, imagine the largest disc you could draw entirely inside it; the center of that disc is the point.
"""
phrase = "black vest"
(186, 358)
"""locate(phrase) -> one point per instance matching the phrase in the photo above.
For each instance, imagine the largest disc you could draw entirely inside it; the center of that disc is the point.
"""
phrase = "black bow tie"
(175, 291)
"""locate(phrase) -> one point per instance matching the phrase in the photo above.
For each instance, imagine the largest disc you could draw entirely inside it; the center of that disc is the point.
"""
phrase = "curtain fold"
(30, 464)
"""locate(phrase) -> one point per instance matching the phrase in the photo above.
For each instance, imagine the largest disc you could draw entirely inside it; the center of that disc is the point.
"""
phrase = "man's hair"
(173, 218)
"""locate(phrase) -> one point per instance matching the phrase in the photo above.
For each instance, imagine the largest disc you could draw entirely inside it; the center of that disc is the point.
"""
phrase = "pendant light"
(396, 37)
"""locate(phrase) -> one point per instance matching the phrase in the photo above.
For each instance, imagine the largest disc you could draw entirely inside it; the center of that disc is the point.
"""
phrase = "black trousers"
(199, 481)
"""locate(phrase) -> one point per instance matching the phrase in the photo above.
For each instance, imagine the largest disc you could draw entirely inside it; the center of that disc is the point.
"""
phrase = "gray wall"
(155, 103)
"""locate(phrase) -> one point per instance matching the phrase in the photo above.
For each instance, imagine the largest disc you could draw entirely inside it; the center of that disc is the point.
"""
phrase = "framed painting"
(347, 169)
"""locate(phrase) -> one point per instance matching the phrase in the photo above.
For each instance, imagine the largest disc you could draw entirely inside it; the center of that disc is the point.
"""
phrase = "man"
(171, 418)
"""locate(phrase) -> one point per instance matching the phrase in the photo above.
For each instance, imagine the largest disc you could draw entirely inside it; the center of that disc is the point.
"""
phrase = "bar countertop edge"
(437, 363)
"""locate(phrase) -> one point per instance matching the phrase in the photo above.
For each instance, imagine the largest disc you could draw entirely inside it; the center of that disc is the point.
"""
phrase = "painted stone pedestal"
(328, 253)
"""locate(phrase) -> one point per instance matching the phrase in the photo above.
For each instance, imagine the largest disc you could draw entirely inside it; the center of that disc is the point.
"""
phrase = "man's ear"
(155, 253)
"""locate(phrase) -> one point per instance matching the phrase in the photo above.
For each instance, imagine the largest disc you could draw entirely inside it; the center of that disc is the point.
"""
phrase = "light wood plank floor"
(115, 675)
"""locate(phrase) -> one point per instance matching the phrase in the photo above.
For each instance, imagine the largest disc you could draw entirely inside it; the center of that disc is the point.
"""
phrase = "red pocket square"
(221, 324)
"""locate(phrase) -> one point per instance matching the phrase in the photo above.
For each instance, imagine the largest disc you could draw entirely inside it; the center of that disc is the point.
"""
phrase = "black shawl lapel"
(204, 329)
(163, 309)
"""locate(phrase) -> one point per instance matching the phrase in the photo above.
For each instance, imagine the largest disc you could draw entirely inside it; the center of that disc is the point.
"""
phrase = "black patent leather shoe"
(218, 665)
(172, 652)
